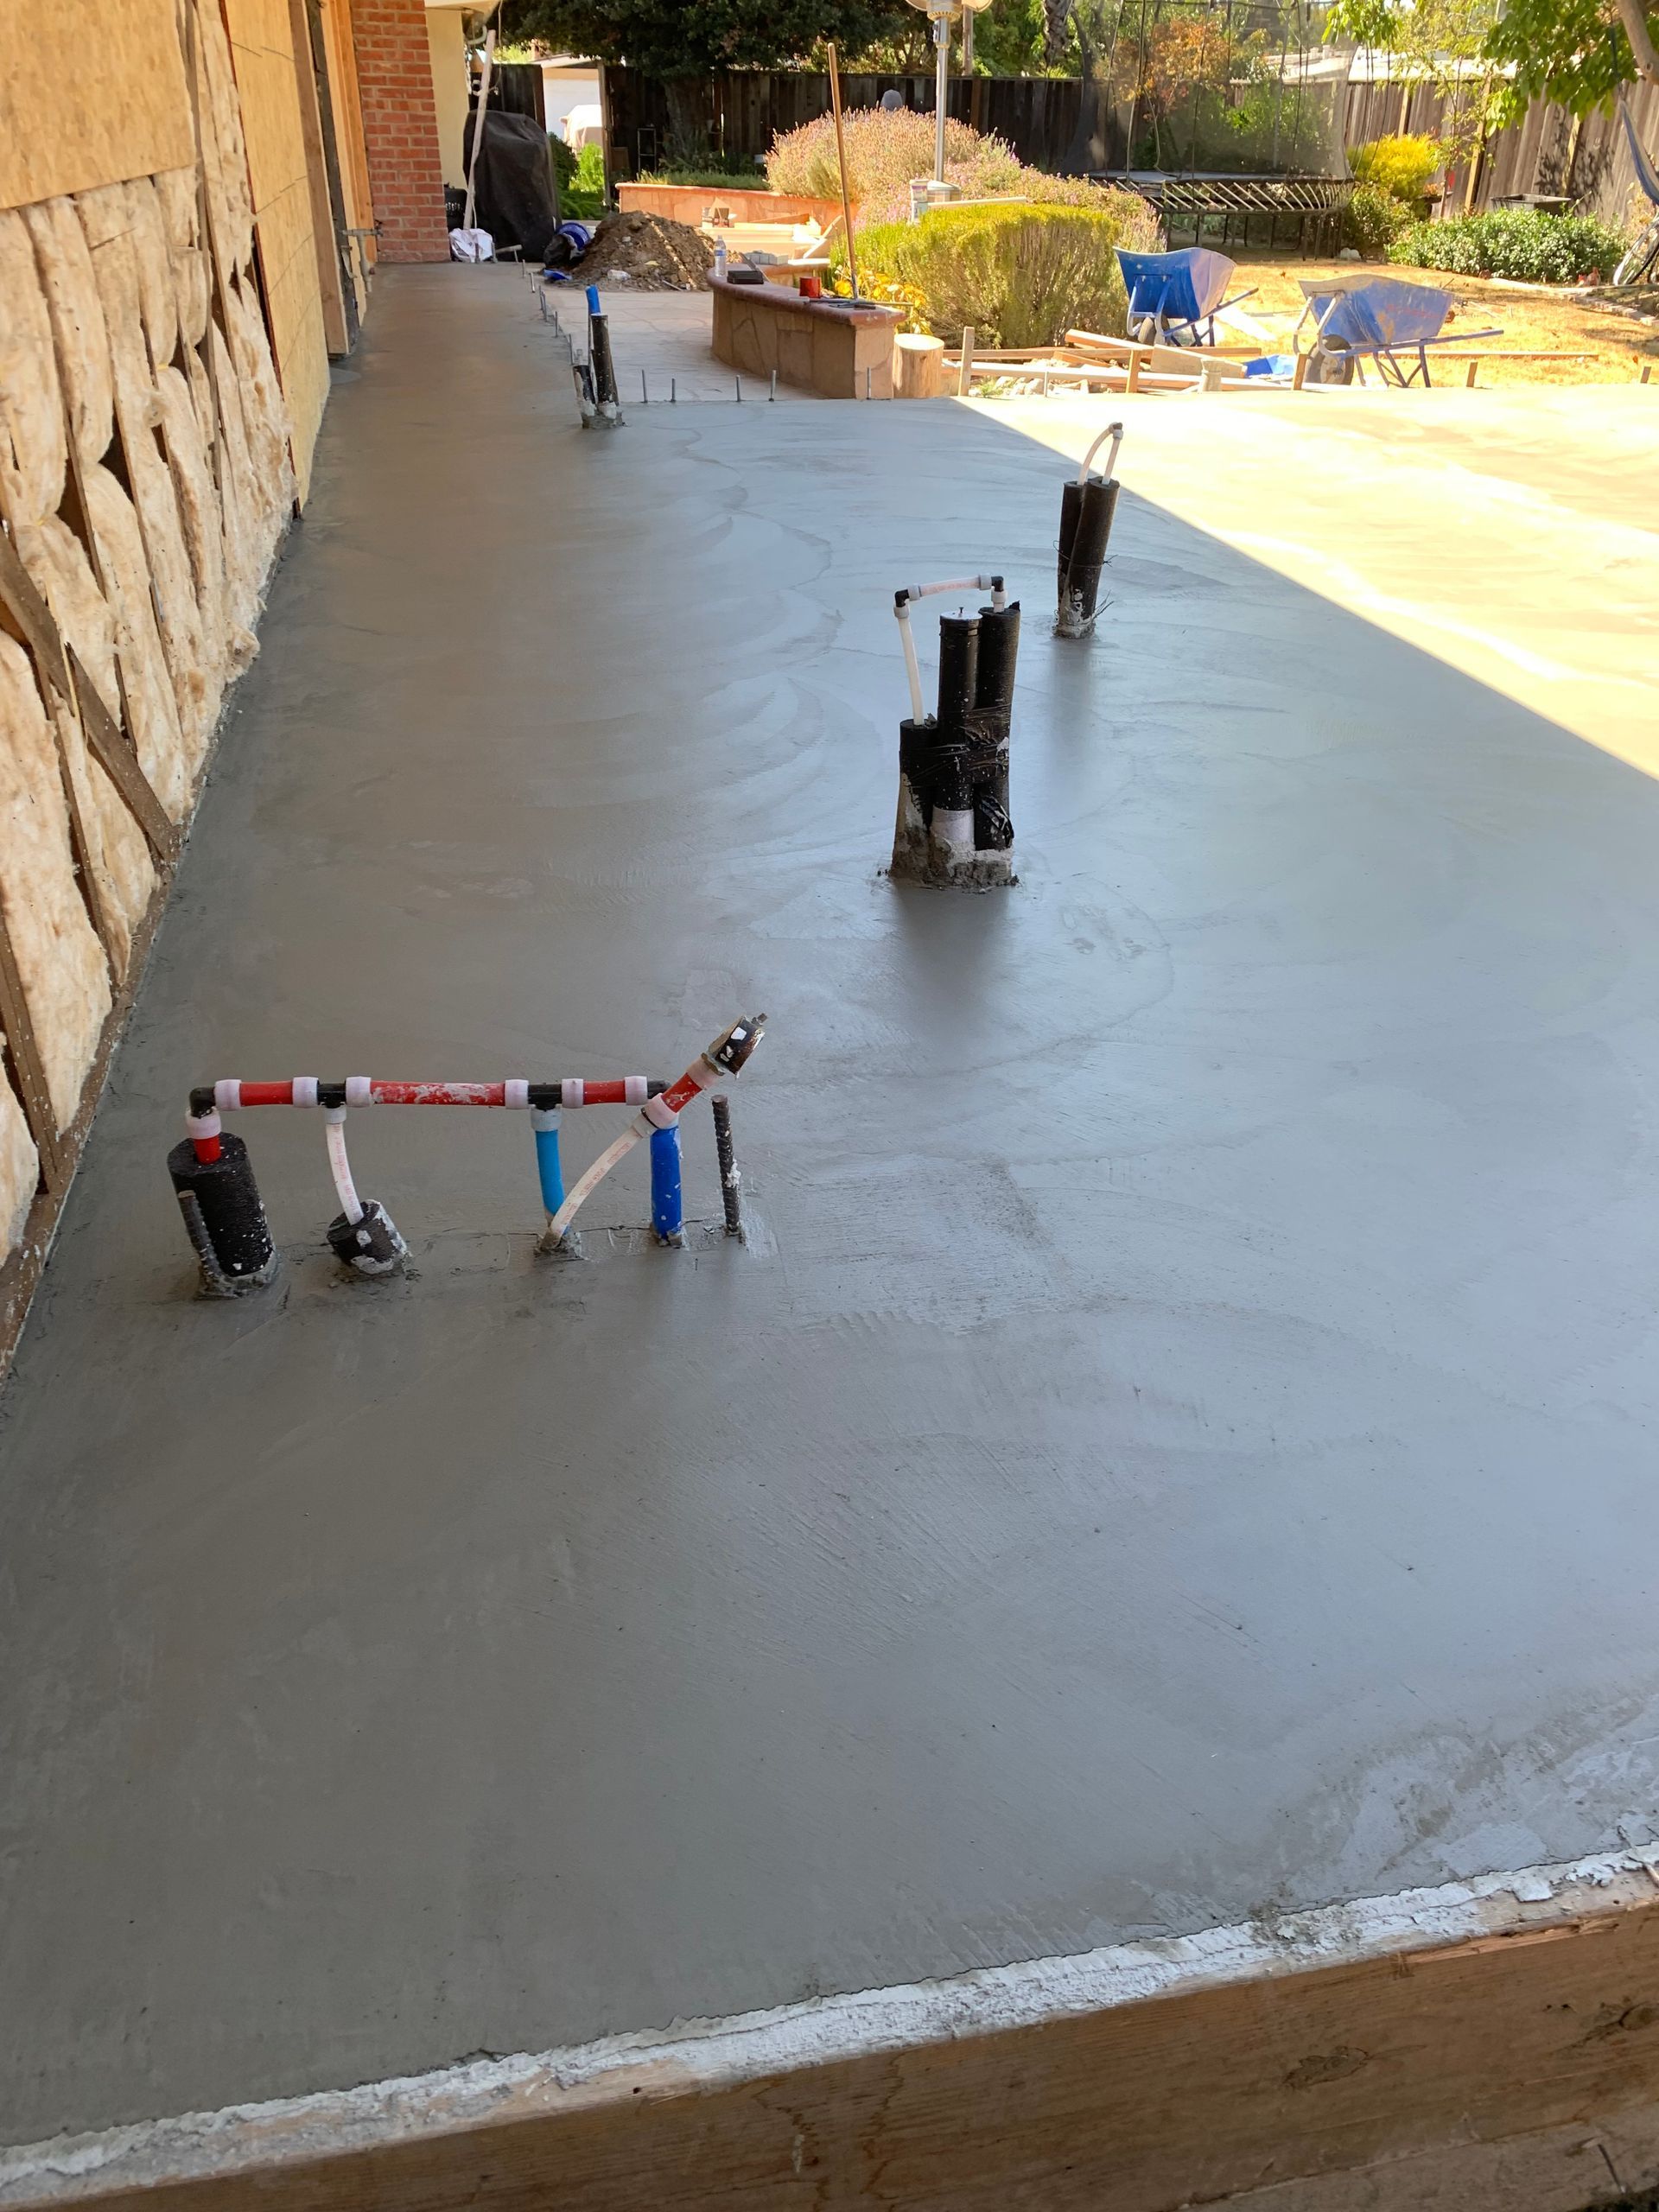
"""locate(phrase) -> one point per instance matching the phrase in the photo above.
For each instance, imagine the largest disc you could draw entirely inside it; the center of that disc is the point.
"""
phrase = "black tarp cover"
(517, 199)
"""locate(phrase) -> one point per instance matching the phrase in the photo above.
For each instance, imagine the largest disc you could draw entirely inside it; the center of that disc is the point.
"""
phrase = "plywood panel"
(330, 282)
(348, 139)
(92, 93)
(261, 56)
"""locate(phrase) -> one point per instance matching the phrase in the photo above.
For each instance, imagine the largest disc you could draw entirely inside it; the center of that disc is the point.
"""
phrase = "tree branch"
(1634, 17)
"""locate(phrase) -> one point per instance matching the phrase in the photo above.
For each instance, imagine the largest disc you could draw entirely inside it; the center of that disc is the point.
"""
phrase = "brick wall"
(400, 129)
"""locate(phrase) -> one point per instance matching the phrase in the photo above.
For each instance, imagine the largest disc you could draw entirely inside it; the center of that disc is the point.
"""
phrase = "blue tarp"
(1385, 313)
(1182, 286)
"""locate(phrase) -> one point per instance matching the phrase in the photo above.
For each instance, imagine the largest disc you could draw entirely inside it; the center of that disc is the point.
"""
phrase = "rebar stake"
(730, 1179)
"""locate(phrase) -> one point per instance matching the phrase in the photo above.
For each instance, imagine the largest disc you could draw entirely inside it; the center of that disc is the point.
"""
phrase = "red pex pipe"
(610, 1090)
(436, 1093)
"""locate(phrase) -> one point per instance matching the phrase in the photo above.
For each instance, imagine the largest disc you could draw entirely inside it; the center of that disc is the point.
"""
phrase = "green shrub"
(564, 162)
(1401, 166)
(885, 148)
(736, 173)
(1018, 275)
(1521, 243)
(582, 197)
(1373, 219)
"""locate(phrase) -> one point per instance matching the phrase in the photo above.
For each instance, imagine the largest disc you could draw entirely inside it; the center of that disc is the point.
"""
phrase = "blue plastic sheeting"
(1385, 313)
(1271, 365)
(1180, 286)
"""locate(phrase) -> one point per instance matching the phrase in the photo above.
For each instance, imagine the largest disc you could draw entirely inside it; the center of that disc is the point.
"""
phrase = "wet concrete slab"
(1181, 1442)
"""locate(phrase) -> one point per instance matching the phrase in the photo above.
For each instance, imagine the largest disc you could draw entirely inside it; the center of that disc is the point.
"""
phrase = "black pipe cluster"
(1086, 512)
(954, 826)
(224, 1216)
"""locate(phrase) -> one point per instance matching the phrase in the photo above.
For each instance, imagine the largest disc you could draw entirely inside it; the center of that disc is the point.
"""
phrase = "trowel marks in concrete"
(1186, 1445)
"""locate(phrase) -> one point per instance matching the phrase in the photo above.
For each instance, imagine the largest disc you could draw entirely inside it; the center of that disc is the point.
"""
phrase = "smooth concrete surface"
(1182, 1441)
(663, 348)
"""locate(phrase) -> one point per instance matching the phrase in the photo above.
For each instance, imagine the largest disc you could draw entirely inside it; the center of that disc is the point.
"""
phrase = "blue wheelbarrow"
(1377, 319)
(1174, 298)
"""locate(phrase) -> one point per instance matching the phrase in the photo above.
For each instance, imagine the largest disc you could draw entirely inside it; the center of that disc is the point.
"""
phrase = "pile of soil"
(645, 253)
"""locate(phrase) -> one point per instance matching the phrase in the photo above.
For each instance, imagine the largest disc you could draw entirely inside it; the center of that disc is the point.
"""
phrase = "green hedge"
(1373, 220)
(1018, 275)
(1521, 243)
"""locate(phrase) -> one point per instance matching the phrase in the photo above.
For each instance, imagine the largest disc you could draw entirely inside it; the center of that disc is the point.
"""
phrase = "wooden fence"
(746, 109)
(1588, 162)
(1040, 118)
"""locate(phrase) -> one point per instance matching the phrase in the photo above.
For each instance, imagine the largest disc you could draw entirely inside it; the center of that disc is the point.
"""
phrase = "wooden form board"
(330, 276)
(268, 87)
(1432, 2048)
(92, 92)
(349, 142)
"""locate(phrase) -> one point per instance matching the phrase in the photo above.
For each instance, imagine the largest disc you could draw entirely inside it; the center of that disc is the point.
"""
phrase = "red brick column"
(400, 129)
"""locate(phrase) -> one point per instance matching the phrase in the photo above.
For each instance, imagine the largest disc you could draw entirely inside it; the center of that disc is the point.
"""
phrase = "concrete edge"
(1501, 1912)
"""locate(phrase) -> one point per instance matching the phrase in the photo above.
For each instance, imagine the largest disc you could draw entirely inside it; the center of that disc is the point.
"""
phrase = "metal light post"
(939, 13)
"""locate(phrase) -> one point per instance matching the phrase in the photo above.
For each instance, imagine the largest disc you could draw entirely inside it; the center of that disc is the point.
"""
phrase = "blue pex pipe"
(667, 1205)
(593, 300)
(547, 1162)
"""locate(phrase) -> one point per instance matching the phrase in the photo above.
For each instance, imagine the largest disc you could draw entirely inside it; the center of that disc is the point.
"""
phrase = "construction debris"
(647, 253)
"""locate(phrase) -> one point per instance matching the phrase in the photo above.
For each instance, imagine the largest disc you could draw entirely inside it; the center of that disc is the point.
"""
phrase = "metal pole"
(841, 163)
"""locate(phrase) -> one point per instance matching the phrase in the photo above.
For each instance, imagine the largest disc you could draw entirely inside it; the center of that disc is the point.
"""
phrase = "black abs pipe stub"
(999, 651)
(598, 345)
(1086, 513)
(915, 743)
(223, 1208)
(371, 1246)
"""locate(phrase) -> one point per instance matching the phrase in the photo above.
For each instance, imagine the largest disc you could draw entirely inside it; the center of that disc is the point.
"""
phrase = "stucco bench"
(829, 347)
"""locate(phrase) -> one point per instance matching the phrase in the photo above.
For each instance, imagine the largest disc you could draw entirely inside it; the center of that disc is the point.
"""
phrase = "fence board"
(1038, 118)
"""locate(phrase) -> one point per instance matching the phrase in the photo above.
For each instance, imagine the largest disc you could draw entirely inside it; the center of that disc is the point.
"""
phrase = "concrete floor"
(1182, 1438)
(660, 343)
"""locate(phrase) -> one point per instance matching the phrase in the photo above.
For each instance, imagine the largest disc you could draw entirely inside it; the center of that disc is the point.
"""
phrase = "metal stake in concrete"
(772, 394)
(738, 381)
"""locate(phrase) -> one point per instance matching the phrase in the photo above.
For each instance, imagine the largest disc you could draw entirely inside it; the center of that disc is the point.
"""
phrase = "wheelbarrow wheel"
(1329, 364)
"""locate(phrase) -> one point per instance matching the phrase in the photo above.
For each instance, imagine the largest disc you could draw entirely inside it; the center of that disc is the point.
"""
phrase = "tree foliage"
(1442, 43)
(697, 38)
(1571, 51)
(1574, 52)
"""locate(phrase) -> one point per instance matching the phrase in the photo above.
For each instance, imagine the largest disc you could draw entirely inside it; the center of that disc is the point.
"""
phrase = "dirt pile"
(645, 253)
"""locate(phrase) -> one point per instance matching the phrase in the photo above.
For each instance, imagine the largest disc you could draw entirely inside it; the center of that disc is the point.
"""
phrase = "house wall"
(447, 48)
(164, 240)
(400, 128)
(268, 84)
